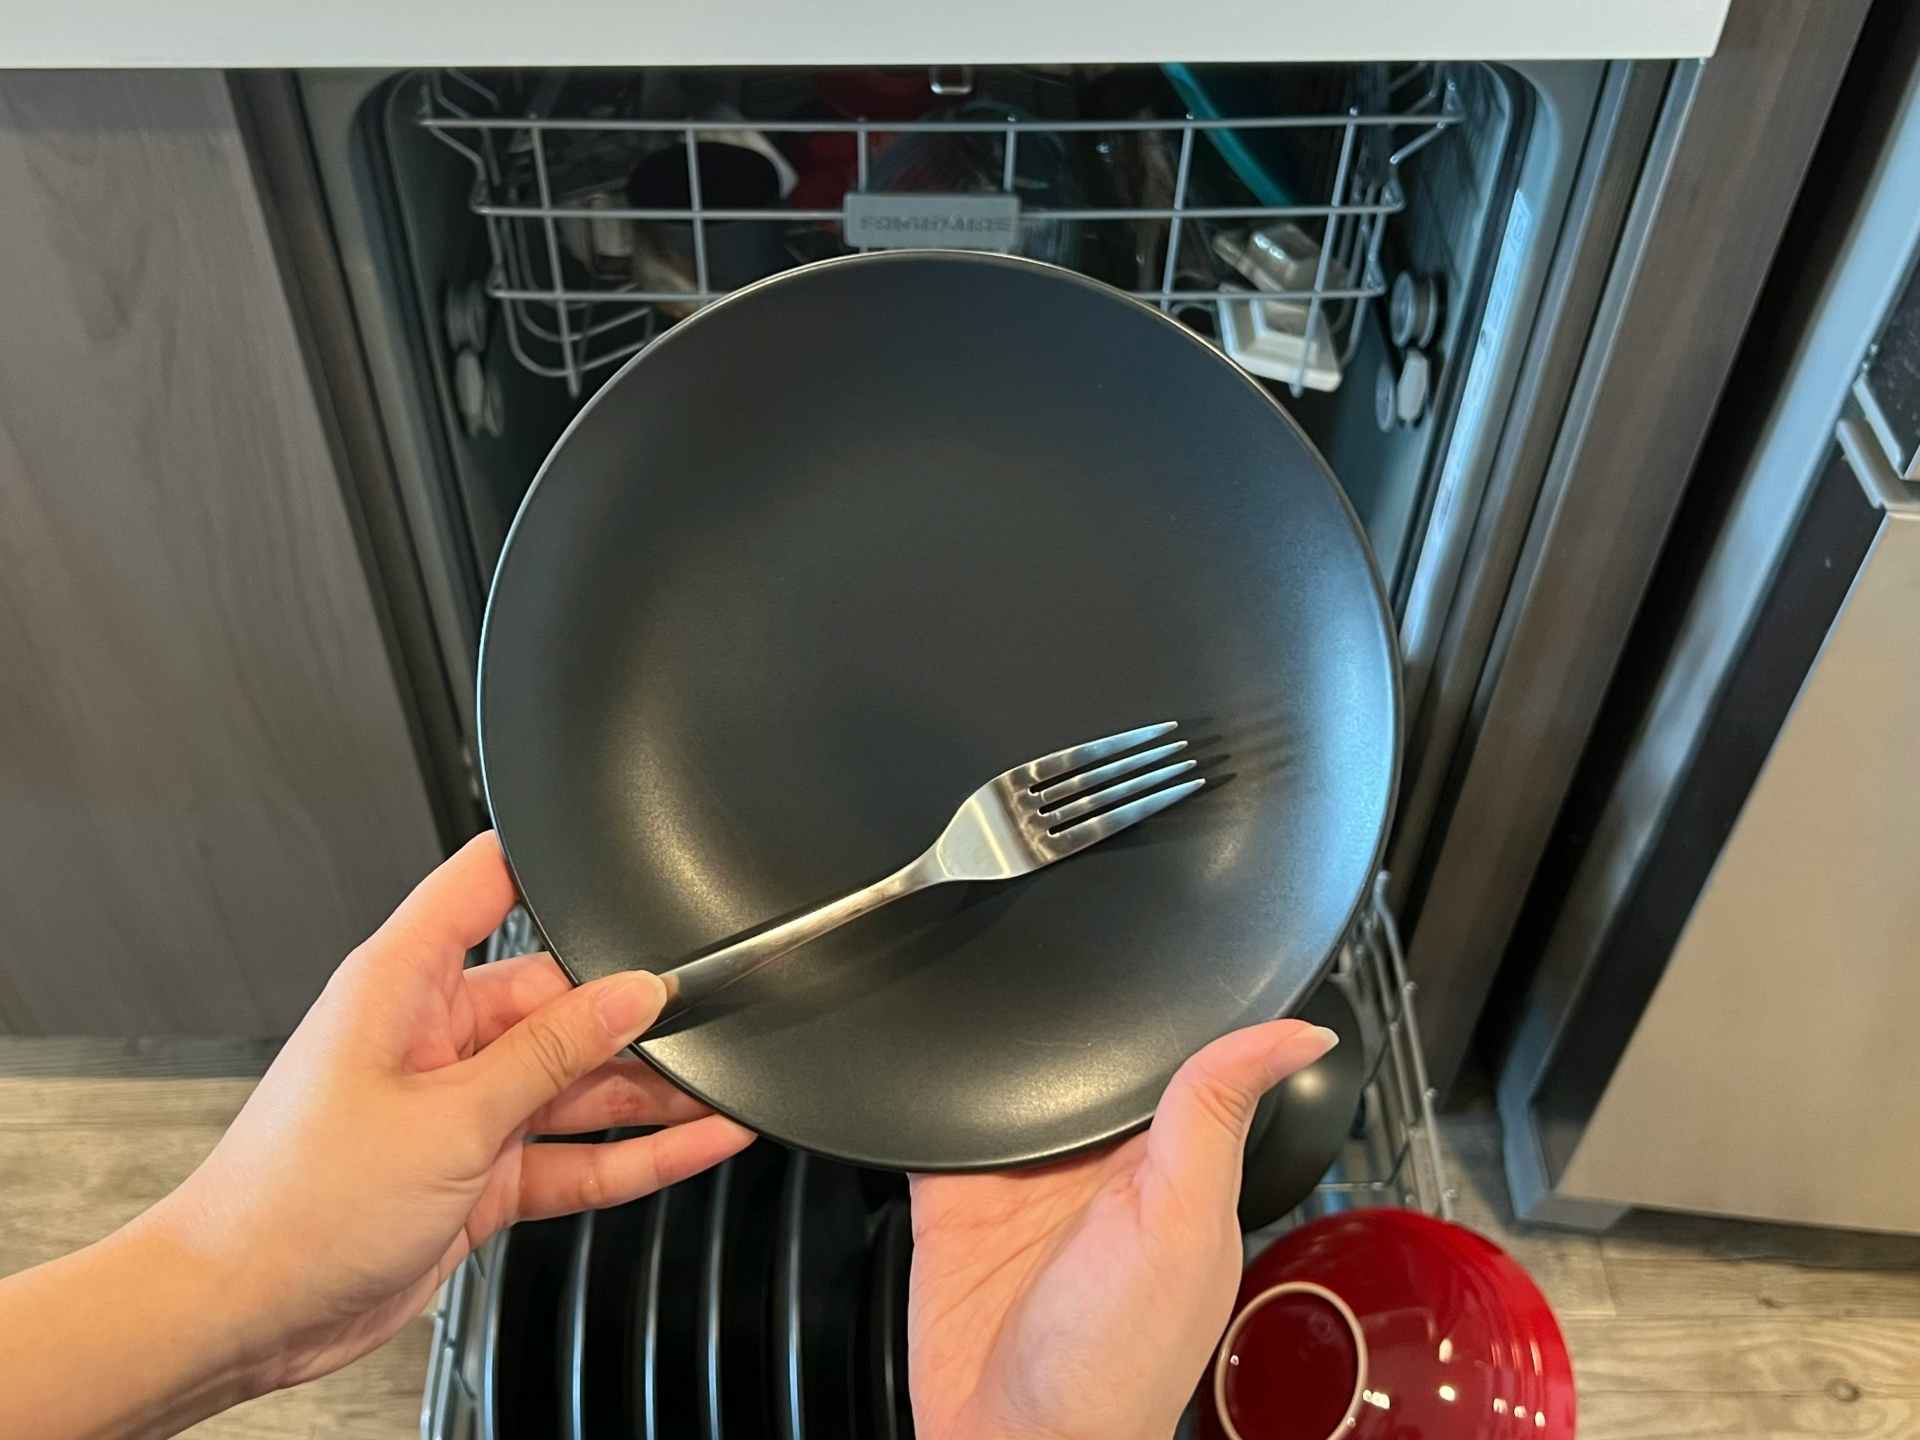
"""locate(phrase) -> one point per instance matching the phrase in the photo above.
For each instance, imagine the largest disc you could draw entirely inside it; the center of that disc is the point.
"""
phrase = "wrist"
(206, 1293)
(142, 1318)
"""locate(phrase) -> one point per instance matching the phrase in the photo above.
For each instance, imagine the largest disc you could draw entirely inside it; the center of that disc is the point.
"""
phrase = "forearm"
(133, 1336)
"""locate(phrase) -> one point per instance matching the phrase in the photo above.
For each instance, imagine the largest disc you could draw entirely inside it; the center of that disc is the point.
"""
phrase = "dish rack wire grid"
(560, 331)
(1395, 1158)
(1398, 1153)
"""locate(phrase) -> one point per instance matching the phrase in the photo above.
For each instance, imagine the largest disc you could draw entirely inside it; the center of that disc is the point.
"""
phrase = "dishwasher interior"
(1337, 228)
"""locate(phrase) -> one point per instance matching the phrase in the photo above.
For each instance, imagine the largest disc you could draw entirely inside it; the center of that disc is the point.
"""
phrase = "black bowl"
(1303, 1122)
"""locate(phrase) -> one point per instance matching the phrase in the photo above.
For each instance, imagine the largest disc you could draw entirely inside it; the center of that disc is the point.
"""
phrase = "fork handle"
(698, 979)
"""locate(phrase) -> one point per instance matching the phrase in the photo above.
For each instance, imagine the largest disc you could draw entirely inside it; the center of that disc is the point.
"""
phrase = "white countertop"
(241, 33)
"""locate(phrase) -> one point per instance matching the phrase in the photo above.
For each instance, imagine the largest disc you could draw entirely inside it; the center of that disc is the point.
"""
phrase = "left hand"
(390, 1136)
(1080, 1300)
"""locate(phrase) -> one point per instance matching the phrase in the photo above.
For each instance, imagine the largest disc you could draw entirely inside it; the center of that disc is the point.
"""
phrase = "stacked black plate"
(765, 1299)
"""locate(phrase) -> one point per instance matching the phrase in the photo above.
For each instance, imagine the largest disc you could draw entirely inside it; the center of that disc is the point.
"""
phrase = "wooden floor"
(1680, 1327)
(78, 1156)
(1683, 1326)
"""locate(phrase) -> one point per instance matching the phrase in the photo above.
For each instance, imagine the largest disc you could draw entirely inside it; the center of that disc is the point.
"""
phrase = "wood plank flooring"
(1686, 1326)
(1680, 1326)
(80, 1155)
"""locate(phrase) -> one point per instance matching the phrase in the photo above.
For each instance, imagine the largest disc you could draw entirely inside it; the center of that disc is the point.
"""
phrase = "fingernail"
(1301, 1048)
(629, 1003)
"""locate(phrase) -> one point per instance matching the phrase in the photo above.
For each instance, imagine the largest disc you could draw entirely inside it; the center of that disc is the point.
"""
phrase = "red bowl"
(1388, 1325)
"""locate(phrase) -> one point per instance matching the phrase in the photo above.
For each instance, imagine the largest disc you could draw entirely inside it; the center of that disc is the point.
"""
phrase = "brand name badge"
(947, 222)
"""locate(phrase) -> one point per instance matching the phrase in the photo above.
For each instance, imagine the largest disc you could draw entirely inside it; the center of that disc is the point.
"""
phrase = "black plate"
(573, 1340)
(672, 1353)
(837, 550)
(525, 1339)
(1303, 1122)
(736, 1294)
(881, 1188)
(823, 1244)
(889, 1270)
(600, 1386)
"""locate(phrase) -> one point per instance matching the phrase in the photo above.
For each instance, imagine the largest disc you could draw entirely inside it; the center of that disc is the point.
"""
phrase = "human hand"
(388, 1138)
(1082, 1299)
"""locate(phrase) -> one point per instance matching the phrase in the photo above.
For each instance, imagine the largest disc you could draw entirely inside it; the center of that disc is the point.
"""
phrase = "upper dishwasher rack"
(565, 319)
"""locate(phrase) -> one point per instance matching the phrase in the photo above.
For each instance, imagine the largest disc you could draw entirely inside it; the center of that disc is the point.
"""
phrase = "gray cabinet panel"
(208, 785)
(1727, 162)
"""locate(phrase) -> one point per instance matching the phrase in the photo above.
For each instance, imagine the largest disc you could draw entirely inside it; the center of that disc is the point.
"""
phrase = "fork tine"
(1076, 757)
(1091, 832)
(1101, 774)
(1113, 794)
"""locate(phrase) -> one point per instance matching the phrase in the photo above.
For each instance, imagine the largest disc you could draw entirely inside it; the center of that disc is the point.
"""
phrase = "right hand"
(1082, 1299)
(390, 1138)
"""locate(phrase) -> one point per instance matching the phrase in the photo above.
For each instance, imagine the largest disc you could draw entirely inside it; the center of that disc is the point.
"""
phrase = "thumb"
(565, 1040)
(1200, 1130)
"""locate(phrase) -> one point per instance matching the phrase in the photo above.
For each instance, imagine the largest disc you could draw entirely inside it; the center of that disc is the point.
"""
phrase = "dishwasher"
(507, 270)
(1406, 211)
(1437, 267)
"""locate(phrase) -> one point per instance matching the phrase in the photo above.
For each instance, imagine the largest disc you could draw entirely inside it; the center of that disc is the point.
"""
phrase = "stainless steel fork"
(1019, 821)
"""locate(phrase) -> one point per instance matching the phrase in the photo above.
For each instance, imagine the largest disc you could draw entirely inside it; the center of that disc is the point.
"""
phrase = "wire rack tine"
(1376, 281)
(1412, 73)
(512, 313)
(1327, 244)
(490, 96)
(1390, 931)
(1374, 1185)
(553, 260)
(586, 331)
(1176, 217)
(699, 215)
(1450, 113)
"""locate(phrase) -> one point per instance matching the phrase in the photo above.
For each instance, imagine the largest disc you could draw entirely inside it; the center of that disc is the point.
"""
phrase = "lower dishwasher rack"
(1394, 1157)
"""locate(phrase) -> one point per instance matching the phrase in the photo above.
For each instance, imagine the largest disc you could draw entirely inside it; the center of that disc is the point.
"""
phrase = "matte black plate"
(526, 1337)
(601, 1386)
(837, 550)
(823, 1244)
(743, 1221)
(671, 1358)
(889, 1270)
(573, 1319)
